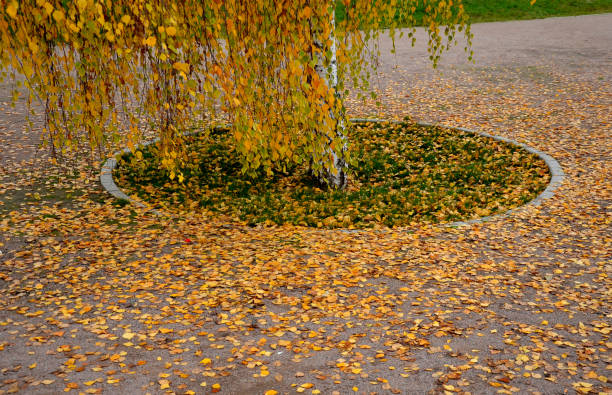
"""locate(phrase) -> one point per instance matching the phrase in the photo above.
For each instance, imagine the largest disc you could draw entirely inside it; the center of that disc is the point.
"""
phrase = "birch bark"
(332, 173)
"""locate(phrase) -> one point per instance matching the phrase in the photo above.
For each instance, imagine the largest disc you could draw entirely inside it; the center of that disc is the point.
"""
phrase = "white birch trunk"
(334, 176)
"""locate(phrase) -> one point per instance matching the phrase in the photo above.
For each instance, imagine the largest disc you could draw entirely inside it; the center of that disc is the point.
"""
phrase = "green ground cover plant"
(403, 174)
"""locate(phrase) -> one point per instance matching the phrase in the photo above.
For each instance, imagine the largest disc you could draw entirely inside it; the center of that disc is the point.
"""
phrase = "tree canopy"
(105, 70)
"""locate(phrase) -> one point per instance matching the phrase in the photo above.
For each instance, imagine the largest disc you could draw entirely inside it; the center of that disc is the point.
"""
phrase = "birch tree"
(277, 70)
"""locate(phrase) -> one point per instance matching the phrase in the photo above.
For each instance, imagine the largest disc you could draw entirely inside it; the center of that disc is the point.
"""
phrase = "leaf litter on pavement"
(96, 297)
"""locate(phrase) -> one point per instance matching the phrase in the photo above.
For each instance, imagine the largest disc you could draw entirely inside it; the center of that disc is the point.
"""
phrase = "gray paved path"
(520, 305)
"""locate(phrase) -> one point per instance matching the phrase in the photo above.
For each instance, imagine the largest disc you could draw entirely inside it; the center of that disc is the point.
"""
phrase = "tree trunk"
(333, 174)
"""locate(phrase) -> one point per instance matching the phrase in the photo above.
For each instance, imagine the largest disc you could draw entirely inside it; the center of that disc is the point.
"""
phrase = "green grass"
(504, 10)
(404, 174)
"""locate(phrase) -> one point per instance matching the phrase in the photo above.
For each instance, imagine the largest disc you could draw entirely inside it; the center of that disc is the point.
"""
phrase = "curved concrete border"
(556, 173)
(108, 183)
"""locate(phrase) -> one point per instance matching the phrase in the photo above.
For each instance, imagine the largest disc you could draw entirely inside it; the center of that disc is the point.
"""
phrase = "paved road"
(581, 43)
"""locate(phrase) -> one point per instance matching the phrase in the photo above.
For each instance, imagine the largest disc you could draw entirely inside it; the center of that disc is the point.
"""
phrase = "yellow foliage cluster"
(107, 70)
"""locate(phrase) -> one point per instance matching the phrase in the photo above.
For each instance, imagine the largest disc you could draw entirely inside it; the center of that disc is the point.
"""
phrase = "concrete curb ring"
(556, 174)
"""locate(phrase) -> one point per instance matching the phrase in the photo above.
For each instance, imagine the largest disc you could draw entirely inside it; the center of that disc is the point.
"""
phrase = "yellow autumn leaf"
(151, 41)
(271, 392)
(522, 357)
(171, 31)
(48, 8)
(180, 66)
(163, 384)
(34, 48)
(58, 16)
(73, 27)
(12, 8)
(206, 361)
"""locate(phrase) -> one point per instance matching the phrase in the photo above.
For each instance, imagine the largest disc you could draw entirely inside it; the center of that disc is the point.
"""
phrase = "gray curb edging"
(556, 174)
(108, 183)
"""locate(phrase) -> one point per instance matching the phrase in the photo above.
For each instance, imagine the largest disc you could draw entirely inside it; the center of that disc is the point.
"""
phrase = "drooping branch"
(275, 69)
